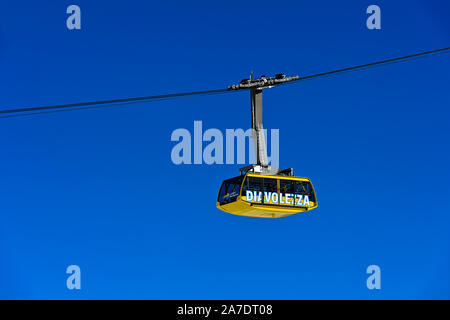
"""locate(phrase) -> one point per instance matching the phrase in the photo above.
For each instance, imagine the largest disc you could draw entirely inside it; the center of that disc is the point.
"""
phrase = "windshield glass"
(230, 190)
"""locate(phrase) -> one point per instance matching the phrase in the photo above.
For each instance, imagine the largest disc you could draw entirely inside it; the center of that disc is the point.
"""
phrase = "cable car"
(260, 190)
(266, 196)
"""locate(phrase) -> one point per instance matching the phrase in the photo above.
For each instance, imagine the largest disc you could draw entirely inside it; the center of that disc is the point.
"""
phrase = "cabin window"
(287, 186)
(252, 184)
(230, 190)
(270, 185)
(304, 188)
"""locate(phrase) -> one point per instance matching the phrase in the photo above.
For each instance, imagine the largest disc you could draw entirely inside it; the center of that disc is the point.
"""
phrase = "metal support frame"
(256, 86)
(259, 140)
(258, 169)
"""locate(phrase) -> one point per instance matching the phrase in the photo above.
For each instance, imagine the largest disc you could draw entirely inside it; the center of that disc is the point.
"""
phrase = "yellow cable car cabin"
(266, 196)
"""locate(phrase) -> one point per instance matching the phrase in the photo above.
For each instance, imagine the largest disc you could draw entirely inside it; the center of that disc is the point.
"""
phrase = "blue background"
(98, 189)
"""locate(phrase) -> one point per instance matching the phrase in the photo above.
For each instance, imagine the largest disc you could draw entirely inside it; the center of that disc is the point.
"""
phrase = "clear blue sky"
(98, 189)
